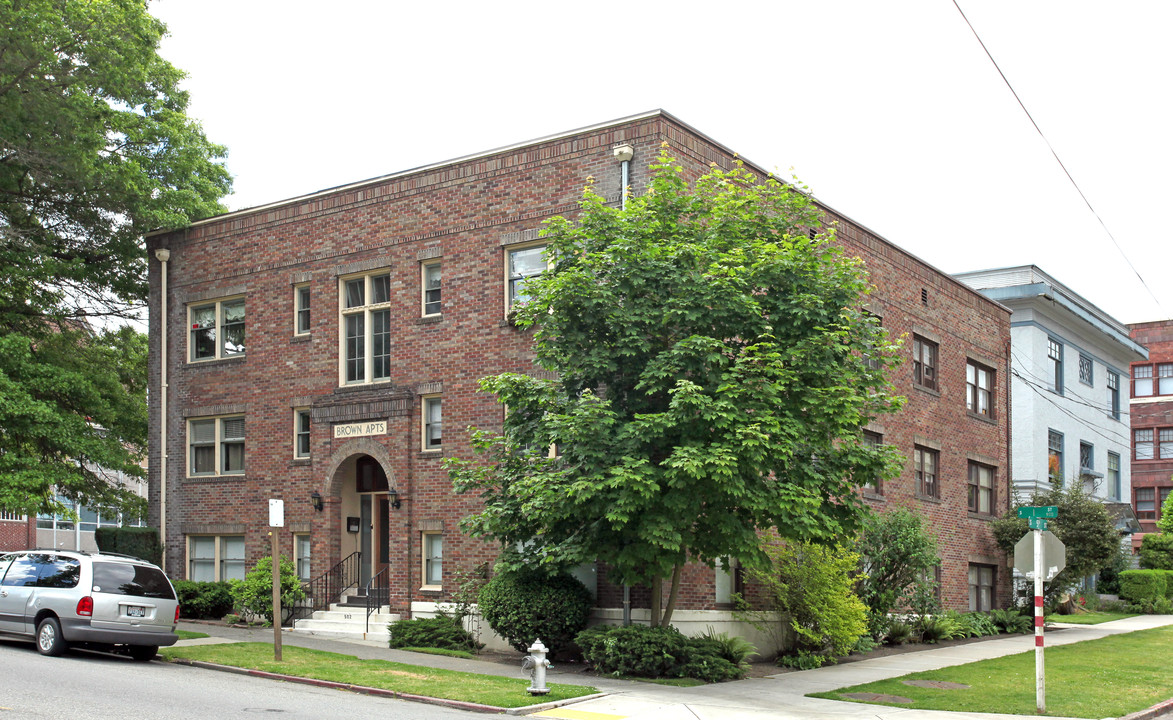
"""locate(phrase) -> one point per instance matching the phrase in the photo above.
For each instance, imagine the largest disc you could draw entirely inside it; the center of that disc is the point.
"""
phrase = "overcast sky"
(890, 111)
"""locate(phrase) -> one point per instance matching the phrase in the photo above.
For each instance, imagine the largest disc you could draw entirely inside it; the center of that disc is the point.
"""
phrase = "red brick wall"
(18, 534)
(1151, 413)
(465, 211)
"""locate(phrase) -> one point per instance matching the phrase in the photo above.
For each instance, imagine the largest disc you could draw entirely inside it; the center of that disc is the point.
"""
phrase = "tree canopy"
(95, 150)
(714, 367)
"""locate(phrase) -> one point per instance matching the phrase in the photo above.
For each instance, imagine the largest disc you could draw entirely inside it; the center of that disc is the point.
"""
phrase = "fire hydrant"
(537, 663)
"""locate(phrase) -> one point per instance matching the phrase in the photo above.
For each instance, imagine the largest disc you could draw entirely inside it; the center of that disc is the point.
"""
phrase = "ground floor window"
(981, 587)
(301, 549)
(215, 557)
(728, 580)
(433, 551)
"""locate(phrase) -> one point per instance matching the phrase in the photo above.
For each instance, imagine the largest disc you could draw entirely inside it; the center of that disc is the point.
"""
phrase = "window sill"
(359, 387)
(928, 498)
(430, 454)
(927, 390)
(877, 497)
(984, 418)
(429, 320)
(213, 478)
(304, 337)
(432, 589)
(213, 362)
(984, 517)
(305, 461)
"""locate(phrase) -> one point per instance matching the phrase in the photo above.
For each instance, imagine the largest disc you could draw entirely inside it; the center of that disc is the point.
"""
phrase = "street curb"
(526, 709)
(362, 689)
(1148, 713)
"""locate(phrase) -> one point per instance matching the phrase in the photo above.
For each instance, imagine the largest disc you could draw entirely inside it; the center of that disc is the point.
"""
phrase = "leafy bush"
(865, 644)
(139, 542)
(442, 632)
(523, 606)
(1156, 551)
(1142, 585)
(254, 594)
(1011, 621)
(705, 659)
(203, 600)
(812, 585)
(803, 660)
(940, 627)
(659, 652)
(977, 624)
(899, 633)
(897, 557)
(734, 648)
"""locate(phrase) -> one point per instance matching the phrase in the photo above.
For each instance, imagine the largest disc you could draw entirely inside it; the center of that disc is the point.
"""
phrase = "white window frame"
(427, 402)
(302, 302)
(219, 560)
(366, 311)
(430, 561)
(299, 432)
(425, 268)
(511, 277)
(303, 562)
(217, 328)
(218, 443)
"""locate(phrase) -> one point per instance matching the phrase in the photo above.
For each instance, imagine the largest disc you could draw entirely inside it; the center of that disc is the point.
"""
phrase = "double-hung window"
(979, 385)
(1165, 378)
(1114, 476)
(1142, 444)
(215, 557)
(433, 423)
(217, 329)
(1055, 456)
(1142, 380)
(1165, 443)
(431, 288)
(215, 446)
(925, 462)
(522, 264)
(872, 440)
(981, 587)
(924, 362)
(301, 309)
(981, 488)
(1146, 503)
(301, 433)
(1114, 394)
(1055, 358)
(433, 560)
(366, 328)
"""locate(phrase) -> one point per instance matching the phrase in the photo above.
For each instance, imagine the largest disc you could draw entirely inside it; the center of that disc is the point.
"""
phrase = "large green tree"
(714, 366)
(95, 150)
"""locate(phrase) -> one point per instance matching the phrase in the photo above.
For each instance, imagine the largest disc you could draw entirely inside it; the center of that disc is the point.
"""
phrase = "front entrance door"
(364, 540)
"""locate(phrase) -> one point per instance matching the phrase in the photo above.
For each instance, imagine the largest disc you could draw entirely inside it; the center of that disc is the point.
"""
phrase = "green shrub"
(1156, 551)
(443, 632)
(899, 633)
(940, 627)
(977, 624)
(139, 542)
(803, 660)
(203, 600)
(734, 648)
(1139, 586)
(523, 606)
(1011, 621)
(898, 554)
(254, 594)
(657, 652)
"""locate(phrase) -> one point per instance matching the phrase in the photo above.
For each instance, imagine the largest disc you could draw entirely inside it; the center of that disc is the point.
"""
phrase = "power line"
(1058, 160)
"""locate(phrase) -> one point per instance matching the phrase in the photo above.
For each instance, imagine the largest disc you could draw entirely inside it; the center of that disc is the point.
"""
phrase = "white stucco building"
(1069, 385)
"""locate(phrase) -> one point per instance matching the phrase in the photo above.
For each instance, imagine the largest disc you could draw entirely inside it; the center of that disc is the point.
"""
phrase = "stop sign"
(1054, 555)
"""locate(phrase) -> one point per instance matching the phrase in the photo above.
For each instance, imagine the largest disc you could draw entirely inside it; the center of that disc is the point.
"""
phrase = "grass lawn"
(302, 662)
(1109, 677)
(1091, 618)
(189, 635)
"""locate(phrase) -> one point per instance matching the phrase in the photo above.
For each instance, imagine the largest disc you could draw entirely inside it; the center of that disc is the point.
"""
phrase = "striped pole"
(1040, 677)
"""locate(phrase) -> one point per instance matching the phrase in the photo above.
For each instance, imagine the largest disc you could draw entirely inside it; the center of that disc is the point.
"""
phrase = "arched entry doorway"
(364, 493)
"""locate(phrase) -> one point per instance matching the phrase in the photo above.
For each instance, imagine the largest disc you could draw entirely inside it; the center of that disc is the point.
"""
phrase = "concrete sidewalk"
(779, 697)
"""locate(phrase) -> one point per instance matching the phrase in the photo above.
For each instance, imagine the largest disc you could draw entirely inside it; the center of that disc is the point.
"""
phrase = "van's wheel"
(49, 640)
(143, 653)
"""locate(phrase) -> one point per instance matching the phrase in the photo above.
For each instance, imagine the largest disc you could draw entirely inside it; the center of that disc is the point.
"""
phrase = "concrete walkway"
(779, 697)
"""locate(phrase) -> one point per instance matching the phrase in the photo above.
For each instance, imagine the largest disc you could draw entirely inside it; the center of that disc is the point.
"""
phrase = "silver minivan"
(59, 598)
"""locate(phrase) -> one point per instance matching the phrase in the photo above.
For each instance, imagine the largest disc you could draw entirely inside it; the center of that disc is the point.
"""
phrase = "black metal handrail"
(378, 592)
(327, 588)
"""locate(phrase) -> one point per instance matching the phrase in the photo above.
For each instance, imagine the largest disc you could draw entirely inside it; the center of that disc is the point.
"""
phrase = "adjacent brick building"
(17, 531)
(1151, 408)
(325, 350)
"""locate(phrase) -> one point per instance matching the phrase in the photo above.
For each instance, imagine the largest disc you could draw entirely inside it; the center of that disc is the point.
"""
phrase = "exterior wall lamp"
(393, 499)
(316, 500)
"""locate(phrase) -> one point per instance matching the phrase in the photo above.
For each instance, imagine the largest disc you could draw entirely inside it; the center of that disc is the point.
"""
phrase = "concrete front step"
(346, 623)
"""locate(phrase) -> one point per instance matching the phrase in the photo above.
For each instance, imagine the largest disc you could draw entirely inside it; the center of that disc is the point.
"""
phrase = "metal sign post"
(1037, 517)
(276, 520)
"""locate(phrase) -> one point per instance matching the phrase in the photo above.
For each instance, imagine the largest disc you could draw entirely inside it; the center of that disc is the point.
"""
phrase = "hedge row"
(1141, 586)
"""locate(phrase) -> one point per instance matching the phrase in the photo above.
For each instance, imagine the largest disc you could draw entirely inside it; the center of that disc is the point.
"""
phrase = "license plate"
(133, 611)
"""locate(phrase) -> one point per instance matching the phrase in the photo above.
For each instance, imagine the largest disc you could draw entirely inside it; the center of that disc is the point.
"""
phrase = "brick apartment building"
(325, 350)
(17, 531)
(1151, 407)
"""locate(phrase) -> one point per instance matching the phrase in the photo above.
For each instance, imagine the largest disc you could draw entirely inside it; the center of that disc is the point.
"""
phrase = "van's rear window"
(126, 579)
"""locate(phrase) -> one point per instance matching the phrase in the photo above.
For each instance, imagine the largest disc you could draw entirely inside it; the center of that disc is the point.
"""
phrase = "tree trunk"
(657, 585)
(676, 573)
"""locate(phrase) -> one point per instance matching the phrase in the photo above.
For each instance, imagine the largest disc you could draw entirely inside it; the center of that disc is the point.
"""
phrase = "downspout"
(624, 153)
(163, 255)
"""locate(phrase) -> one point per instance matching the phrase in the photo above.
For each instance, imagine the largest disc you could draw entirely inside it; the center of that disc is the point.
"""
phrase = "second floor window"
(925, 467)
(301, 311)
(433, 423)
(1142, 444)
(924, 362)
(301, 433)
(979, 382)
(216, 446)
(217, 329)
(366, 328)
(1055, 456)
(431, 278)
(1087, 458)
(981, 488)
(1114, 476)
